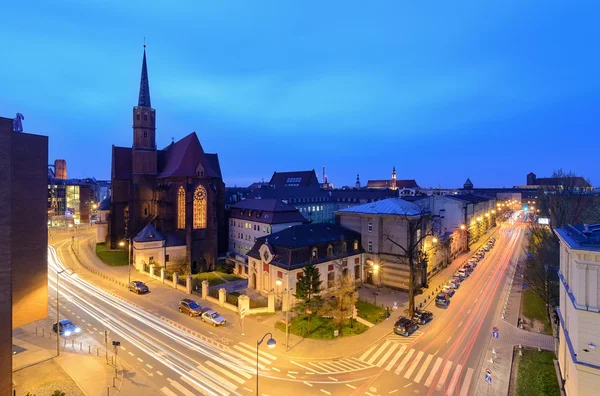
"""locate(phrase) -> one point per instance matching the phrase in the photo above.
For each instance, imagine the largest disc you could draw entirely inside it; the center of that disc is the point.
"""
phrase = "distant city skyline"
(484, 90)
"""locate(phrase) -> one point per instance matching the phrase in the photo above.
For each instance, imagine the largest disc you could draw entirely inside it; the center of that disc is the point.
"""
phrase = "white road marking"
(307, 383)
(333, 379)
(247, 359)
(454, 380)
(407, 385)
(379, 352)
(249, 390)
(180, 388)
(434, 370)
(252, 354)
(469, 312)
(253, 349)
(404, 362)
(476, 299)
(413, 366)
(167, 391)
(212, 379)
(122, 348)
(464, 390)
(449, 338)
(291, 376)
(150, 367)
(364, 355)
(460, 324)
(292, 372)
(140, 360)
(387, 355)
(395, 358)
(159, 373)
(95, 329)
(445, 373)
(324, 391)
(130, 354)
(276, 369)
(394, 391)
(351, 386)
(423, 368)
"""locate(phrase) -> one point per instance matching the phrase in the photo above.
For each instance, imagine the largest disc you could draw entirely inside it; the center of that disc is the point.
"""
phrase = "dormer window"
(355, 245)
(314, 253)
(329, 251)
(344, 247)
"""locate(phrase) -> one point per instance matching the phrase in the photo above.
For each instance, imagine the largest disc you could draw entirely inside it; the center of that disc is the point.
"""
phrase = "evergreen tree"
(309, 285)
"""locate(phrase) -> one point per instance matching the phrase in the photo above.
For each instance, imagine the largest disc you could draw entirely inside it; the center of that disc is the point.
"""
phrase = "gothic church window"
(199, 207)
(181, 208)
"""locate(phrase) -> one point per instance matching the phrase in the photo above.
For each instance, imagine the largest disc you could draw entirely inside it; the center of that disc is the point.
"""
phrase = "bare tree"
(340, 301)
(418, 227)
(566, 203)
(180, 265)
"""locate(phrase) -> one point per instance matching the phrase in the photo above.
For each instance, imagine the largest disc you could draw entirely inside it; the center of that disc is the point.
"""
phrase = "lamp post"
(57, 309)
(287, 322)
(122, 244)
(271, 343)
(278, 282)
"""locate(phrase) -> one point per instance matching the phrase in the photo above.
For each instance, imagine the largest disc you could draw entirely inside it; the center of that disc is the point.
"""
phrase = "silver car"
(213, 318)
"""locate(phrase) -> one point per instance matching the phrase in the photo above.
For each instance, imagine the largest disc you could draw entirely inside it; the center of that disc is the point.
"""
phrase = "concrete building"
(23, 237)
(579, 310)
(335, 251)
(379, 220)
(251, 219)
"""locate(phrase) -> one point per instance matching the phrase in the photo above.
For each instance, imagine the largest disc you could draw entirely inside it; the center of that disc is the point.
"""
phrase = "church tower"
(394, 186)
(357, 181)
(144, 128)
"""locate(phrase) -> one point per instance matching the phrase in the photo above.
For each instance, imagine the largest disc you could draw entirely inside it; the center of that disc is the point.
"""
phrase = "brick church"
(177, 191)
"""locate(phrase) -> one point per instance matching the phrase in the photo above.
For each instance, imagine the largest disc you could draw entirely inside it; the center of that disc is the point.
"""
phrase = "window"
(181, 208)
(145, 116)
(145, 134)
(330, 280)
(137, 116)
(199, 207)
(314, 253)
(356, 260)
(344, 247)
(279, 275)
(151, 260)
(355, 245)
(357, 272)
(370, 226)
(370, 246)
(166, 258)
(329, 251)
(145, 211)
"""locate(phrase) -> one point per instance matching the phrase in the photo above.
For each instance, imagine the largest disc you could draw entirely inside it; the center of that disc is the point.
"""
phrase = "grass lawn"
(535, 308)
(536, 375)
(320, 328)
(214, 280)
(369, 312)
(113, 258)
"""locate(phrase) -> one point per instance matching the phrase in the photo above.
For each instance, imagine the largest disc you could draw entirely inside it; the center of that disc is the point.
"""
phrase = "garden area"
(216, 277)
(535, 374)
(535, 310)
(114, 258)
(369, 312)
(321, 328)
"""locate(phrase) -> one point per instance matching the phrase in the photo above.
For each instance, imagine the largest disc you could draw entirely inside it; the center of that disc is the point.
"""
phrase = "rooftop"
(308, 235)
(581, 236)
(386, 207)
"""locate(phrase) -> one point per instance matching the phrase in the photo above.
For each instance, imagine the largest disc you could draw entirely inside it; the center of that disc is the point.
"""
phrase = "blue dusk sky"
(445, 90)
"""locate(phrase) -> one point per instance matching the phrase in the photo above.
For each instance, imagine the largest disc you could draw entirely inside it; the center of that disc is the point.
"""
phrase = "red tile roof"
(184, 156)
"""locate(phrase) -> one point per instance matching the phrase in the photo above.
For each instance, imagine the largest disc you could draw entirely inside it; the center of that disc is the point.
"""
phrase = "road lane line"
(445, 373)
(150, 367)
(122, 348)
(394, 391)
(387, 355)
(464, 390)
(253, 349)
(434, 370)
(140, 360)
(469, 312)
(167, 391)
(227, 373)
(324, 391)
(307, 383)
(379, 352)
(423, 368)
(404, 362)
(395, 358)
(181, 389)
(351, 386)
(292, 372)
(476, 299)
(454, 380)
(159, 373)
(413, 366)
(407, 385)
(448, 339)
(333, 379)
(130, 354)
(364, 355)
(291, 376)
(460, 324)
(276, 369)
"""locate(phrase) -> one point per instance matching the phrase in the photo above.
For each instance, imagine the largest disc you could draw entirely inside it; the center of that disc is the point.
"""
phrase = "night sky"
(447, 90)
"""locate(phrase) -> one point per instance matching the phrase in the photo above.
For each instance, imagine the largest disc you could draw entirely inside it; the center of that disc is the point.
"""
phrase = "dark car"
(66, 328)
(138, 287)
(422, 317)
(442, 300)
(469, 267)
(405, 327)
(190, 307)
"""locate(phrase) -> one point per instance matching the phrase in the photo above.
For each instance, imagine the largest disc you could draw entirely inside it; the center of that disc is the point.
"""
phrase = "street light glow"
(375, 268)
(278, 282)
(462, 227)
(121, 243)
(434, 240)
(271, 343)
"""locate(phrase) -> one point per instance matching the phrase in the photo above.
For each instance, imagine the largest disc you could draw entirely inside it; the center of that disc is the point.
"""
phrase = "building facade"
(251, 219)
(23, 237)
(179, 189)
(579, 310)
(377, 223)
(276, 261)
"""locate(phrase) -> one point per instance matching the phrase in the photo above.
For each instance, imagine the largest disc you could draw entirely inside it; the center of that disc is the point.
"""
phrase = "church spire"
(144, 100)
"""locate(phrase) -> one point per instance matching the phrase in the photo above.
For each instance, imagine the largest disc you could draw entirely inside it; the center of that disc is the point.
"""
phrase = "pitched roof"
(576, 181)
(182, 159)
(307, 235)
(148, 234)
(470, 198)
(269, 211)
(121, 162)
(294, 179)
(291, 192)
(581, 236)
(386, 207)
(407, 183)
(144, 98)
(104, 204)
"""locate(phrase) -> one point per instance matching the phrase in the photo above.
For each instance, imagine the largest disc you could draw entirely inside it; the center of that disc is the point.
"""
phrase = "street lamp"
(122, 244)
(271, 343)
(57, 308)
(287, 322)
(278, 282)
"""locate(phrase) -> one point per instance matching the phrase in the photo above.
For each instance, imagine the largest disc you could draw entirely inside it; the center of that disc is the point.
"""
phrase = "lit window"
(370, 226)
(199, 207)
(181, 208)
(329, 250)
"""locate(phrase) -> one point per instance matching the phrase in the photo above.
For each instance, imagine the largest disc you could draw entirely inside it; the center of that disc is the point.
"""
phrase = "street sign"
(116, 343)
(488, 376)
(495, 333)
(243, 313)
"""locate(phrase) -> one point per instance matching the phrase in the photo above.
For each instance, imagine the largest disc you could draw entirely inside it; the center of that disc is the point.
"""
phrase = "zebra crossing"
(333, 366)
(216, 376)
(421, 367)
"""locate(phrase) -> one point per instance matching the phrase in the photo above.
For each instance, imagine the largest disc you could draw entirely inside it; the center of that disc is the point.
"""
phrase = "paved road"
(443, 357)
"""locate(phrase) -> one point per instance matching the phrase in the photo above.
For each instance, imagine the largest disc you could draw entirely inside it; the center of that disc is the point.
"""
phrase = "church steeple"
(394, 185)
(144, 99)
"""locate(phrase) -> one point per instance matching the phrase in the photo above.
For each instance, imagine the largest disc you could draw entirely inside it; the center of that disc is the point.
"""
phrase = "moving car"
(190, 307)
(442, 300)
(422, 317)
(66, 328)
(449, 290)
(213, 318)
(405, 327)
(138, 287)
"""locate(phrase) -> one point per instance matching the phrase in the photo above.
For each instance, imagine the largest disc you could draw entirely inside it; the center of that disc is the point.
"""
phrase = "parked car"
(442, 300)
(449, 290)
(190, 307)
(213, 318)
(65, 328)
(463, 272)
(138, 287)
(472, 263)
(459, 276)
(405, 327)
(469, 267)
(455, 283)
(422, 317)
